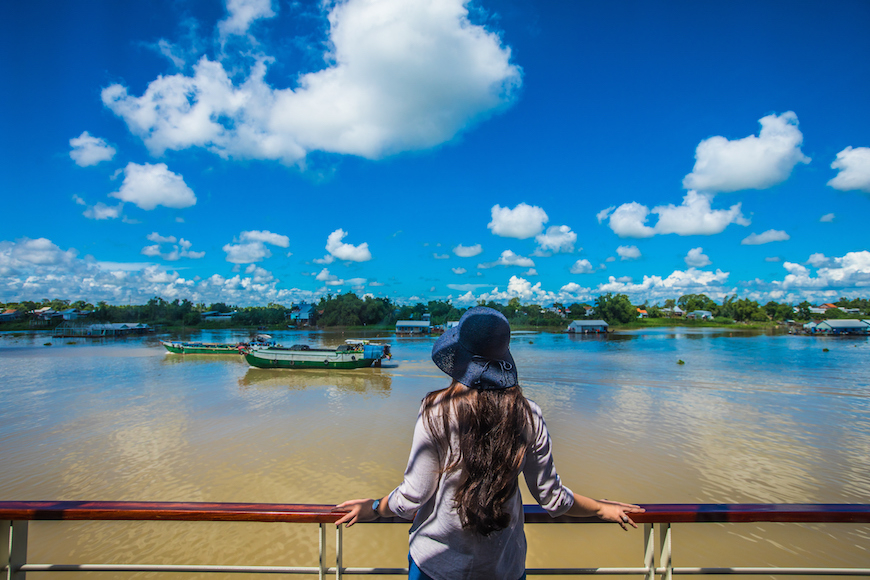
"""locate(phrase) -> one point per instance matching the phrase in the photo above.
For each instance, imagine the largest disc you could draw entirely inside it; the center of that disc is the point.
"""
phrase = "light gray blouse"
(439, 545)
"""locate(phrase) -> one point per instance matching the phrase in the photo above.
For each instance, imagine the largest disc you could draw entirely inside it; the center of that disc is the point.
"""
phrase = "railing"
(15, 517)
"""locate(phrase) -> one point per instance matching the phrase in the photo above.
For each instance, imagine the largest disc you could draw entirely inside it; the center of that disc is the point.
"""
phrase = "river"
(747, 418)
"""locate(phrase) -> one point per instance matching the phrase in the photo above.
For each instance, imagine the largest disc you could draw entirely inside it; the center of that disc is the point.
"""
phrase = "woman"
(471, 442)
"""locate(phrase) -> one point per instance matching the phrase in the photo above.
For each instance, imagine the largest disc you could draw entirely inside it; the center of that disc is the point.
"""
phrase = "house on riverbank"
(213, 316)
(587, 327)
(10, 315)
(700, 315)
(72, 329)
(842, 326)
(302, 315)
(413, 327)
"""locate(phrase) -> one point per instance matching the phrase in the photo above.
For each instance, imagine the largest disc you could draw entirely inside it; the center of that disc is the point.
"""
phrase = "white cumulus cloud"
(459, 270)
(148, 186)
(153, 250)
(348, 252)
(628, 252)
(401, 76)
(524, 221)
(265, 237)
(251, 246)
(509, 258)
(521, 288)
(246, 253)
(854, 166)
(765, 238)
(40, 268)
(38, 252)
(155, 237)
(259, 275)
(180, 248)
(753, 162)
(695, 216)
(828, 217)
(849, 271)
(575, 290)
(696, 258)
(582, 266)
(326, 277)
(333, 280)
(101, 211)
(88, 150)
(683, 282)
(628, 220)
(242, 13)
(557, 239)
(467, 251)
(818, 259)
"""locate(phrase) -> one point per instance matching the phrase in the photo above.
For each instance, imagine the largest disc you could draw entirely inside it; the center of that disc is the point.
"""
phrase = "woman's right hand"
(358, 510)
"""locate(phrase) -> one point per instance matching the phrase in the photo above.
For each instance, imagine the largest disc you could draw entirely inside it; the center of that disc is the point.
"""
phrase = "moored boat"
(178, 347)
(353, 354)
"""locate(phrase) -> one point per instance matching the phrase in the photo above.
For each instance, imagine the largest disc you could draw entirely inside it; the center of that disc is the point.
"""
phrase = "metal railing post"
(665, 559)
(339, 545)
(18, 550)
(5, 530)
(649, 551)
(322, 565)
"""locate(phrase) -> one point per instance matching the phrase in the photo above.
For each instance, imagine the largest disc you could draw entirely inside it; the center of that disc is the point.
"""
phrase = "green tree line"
(350, 310)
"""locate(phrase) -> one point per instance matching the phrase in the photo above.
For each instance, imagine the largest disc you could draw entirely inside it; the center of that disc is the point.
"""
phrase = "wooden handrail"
(313, 513)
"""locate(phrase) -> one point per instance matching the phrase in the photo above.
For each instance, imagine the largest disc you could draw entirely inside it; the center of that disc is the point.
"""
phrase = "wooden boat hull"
(200, 348)
(296, 358)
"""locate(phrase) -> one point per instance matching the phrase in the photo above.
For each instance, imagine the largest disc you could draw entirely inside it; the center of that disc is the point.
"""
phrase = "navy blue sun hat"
(476, 352)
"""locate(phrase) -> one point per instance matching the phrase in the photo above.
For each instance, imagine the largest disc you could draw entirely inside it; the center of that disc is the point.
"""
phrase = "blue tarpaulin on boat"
(373, 351)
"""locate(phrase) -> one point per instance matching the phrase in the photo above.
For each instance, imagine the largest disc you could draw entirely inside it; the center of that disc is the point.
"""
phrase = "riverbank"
(389, 328)
(679, 323)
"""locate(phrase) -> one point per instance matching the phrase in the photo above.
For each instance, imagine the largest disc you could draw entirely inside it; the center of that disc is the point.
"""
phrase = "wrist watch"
(375, 505)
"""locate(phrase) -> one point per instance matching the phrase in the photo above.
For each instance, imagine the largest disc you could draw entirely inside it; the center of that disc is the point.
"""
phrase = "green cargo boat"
(200, 348)
(177, 347)
(352, 355)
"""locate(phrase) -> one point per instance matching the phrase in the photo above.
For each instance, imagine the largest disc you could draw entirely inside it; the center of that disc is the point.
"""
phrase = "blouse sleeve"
(540, 470)
(421, 475)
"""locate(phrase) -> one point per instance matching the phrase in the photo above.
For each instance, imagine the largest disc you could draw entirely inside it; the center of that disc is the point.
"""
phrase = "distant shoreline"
(637, 325)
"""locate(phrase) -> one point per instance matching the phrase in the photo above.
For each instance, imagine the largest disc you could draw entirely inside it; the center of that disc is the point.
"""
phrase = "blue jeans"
(414, 573)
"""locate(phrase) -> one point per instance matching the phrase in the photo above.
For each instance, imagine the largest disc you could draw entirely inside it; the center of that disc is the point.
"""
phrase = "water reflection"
(193, 359)
(370, 380)
(579, 336)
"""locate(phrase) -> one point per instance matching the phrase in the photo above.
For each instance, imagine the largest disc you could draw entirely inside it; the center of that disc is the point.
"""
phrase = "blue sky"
(256, 151)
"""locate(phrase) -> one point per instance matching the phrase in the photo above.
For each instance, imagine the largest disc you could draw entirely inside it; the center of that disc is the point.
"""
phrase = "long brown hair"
(493, 430)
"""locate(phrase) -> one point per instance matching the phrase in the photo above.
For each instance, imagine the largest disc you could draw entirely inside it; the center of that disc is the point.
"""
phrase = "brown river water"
(749, 418)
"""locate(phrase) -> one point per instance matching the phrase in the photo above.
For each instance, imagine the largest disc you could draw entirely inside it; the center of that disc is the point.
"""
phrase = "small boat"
(353, 354)
(258, 342)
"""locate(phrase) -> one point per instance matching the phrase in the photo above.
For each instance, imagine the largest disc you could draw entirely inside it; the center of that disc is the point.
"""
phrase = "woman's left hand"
(616, 511)
(359, 510)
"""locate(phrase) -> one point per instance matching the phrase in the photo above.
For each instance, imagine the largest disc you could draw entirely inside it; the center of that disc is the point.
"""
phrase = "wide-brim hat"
(476, 352)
